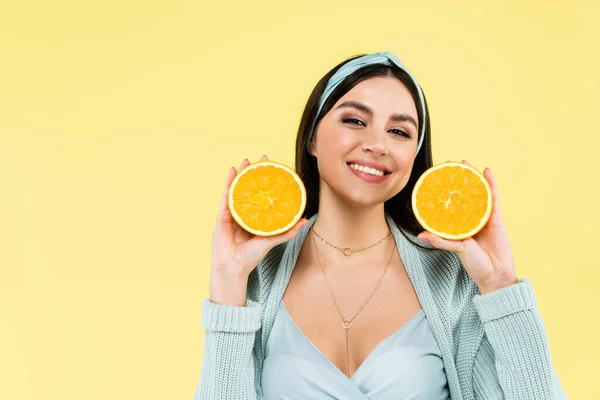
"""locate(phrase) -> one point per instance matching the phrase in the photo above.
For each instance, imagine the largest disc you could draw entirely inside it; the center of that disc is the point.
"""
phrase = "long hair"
(398, 207)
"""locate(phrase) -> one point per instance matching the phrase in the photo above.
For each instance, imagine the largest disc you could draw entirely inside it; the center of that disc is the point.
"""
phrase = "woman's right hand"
(235, 251)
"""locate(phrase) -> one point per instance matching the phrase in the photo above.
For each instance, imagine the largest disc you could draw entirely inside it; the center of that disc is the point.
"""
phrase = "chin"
(360, 199)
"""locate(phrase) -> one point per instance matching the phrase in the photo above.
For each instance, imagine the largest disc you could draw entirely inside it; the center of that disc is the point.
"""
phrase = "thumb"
(261, 245)
(289, 235)
(455, 246)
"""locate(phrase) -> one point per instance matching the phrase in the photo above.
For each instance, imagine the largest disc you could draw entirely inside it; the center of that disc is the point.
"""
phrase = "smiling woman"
(382, 94)
(368, 311)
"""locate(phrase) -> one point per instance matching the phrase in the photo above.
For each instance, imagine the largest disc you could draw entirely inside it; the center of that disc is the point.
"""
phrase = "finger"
(243, 165)
(455, 246)
(288, 235)
(264, 158)
(302, 222)
(224, 213)
(490, 178)
(268, 242)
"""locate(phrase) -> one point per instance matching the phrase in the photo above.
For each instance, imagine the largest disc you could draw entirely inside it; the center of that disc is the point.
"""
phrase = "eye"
(355, 121)
(402, 133)
(352, 121)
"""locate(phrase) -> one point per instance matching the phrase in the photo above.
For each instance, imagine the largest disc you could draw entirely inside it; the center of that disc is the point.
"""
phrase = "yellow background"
(120, 119)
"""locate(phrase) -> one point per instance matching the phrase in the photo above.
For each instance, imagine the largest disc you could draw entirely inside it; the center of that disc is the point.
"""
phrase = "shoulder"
(443, 269)
(262, 277)
(445, 272)
(452, 290)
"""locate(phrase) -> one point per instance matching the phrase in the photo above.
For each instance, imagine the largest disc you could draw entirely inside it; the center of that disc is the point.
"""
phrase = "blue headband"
(352, 66)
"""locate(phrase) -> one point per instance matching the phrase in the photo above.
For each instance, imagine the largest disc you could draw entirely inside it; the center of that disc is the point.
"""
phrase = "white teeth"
(368, 170)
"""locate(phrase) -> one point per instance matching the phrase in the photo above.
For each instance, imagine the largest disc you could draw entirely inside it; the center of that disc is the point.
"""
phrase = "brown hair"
(398, 207)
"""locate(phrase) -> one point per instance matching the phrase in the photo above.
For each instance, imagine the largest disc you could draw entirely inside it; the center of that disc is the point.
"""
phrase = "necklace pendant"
(347, 251)
(346, 324)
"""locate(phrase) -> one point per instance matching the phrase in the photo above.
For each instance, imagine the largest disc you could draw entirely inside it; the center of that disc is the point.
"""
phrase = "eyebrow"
(366, 109)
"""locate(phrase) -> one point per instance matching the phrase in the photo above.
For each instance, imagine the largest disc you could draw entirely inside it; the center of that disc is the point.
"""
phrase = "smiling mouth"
(368, 170)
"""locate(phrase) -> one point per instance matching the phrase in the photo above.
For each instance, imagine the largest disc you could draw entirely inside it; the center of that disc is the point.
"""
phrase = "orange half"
(452, 200)
(267, 198)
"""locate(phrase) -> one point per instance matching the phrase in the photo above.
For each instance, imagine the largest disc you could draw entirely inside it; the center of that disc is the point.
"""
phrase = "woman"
(353, 303)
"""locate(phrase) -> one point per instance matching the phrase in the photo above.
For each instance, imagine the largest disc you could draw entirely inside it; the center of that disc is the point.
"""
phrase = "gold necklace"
(346, 250)
(347, 323)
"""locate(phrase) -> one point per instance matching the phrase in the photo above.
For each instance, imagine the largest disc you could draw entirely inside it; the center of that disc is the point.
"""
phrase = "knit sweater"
(493, 346)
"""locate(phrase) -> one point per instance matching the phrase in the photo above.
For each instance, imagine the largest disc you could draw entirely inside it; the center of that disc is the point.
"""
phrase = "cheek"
(335, 137)
(405, 177)
(404, 165)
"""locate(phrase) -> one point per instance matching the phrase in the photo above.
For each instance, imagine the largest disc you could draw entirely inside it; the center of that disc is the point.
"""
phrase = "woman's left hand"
(487, 256)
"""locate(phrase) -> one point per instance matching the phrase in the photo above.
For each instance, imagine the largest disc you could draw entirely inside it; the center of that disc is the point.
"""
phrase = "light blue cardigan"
(493, 346)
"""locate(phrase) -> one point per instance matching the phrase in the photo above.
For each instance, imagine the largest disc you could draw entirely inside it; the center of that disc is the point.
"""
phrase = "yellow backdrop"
(120, 119)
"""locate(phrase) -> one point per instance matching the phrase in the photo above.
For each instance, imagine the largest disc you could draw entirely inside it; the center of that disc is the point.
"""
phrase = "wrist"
(494, 286)
(228, 289)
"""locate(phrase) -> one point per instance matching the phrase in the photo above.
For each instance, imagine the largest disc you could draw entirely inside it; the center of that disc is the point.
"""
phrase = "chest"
(377, 304)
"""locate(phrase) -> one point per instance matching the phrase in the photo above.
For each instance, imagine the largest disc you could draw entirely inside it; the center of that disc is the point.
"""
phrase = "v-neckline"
(272, 292)
(369, 356)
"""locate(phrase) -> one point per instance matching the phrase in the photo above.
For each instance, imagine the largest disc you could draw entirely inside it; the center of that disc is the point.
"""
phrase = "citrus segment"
(267, 198)
(452, 200)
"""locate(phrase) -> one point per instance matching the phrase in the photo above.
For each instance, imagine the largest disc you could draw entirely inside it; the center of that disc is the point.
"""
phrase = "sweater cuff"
(221, 317)
(505, 301)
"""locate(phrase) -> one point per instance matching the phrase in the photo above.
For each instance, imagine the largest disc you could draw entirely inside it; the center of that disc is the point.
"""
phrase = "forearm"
(517, 338)
(228, 366)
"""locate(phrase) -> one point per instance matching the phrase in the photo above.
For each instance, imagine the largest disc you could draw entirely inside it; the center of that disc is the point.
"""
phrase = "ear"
(311, 146)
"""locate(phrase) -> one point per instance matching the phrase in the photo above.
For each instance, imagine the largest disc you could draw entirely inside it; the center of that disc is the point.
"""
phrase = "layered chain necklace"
(347, 323)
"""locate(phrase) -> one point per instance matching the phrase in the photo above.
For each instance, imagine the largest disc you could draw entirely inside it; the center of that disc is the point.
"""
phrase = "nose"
(375, 144)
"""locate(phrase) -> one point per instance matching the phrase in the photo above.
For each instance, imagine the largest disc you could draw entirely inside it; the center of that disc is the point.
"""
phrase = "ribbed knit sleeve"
(228, 365)
(513, 360)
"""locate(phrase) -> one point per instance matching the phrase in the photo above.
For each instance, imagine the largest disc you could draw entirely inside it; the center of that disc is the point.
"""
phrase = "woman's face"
(374, 124)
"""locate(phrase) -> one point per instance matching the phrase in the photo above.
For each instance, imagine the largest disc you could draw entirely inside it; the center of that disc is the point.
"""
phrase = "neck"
(356, 230)
(353, 227)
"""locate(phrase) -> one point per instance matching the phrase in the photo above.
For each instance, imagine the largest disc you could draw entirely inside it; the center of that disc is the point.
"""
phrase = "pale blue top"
(405, 365)
(493, 345)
